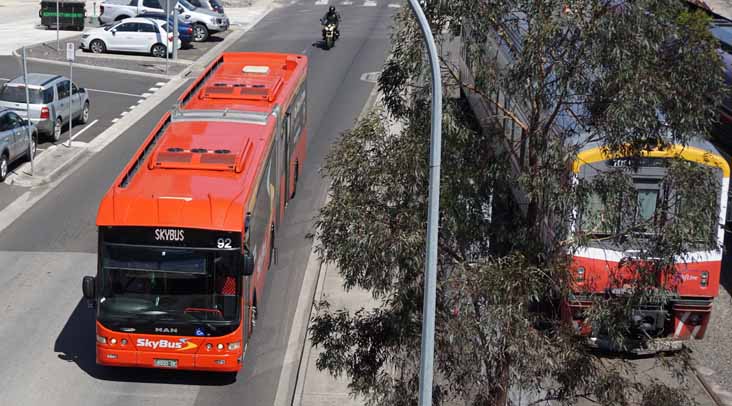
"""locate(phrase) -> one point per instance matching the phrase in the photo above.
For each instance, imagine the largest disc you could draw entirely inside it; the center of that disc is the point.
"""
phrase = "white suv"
(143, 35)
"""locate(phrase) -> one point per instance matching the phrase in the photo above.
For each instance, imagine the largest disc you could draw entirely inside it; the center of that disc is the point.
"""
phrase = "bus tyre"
(297, 177)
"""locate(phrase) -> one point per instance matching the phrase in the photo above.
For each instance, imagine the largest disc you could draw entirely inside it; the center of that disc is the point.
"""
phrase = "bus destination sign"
(171, 237)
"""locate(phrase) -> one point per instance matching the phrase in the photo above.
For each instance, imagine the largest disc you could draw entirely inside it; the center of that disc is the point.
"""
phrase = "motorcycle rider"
(331, 17)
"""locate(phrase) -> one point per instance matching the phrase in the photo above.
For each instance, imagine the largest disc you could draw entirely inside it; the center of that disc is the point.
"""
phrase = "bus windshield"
(171, 285)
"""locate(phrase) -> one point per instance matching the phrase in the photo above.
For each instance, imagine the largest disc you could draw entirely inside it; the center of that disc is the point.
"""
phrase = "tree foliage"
(632, 76)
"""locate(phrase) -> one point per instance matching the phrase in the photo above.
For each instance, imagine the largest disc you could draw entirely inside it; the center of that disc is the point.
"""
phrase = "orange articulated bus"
(187, 230)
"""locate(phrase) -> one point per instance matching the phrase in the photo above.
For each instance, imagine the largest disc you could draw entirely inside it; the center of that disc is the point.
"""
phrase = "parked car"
(117, 10)
(14, 142)
(50, 96)
(141, 35)
(213, 5)
(185, 31)
(204, 22)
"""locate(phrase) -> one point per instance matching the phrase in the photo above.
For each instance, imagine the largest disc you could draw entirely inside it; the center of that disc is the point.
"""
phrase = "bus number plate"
(166, 363)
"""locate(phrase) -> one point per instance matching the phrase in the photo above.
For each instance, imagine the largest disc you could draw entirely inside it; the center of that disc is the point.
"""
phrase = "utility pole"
(433, 216)
(27, 111)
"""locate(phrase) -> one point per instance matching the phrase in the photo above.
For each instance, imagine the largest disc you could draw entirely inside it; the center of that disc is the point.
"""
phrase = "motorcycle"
(329, 34)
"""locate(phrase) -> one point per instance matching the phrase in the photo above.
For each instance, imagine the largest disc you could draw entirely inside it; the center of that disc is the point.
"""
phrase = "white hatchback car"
(143, 35)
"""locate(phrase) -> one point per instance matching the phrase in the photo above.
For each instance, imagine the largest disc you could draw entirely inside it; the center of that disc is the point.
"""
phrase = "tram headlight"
(581, 274)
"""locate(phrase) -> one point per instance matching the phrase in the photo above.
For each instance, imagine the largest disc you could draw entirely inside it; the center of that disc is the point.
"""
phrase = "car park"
(14, 141)
(50, 98)
(185, 31)
(140, 35)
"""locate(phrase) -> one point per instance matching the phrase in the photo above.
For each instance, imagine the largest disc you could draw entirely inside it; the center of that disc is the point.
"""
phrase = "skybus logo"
(181, 345)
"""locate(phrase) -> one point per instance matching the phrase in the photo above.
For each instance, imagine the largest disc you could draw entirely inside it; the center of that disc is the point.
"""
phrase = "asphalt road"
(48, 333)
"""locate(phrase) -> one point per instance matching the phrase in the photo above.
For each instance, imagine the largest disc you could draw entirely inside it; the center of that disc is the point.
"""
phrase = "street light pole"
(58, 41)
(27, 112)
(433, 215)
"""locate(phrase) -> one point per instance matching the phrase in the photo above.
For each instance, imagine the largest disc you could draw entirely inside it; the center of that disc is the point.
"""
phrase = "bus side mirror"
(248, 264)
(87, 287)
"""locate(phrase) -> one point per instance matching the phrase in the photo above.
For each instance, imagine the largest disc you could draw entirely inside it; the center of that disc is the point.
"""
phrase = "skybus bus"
(596, 266)
(187, 230)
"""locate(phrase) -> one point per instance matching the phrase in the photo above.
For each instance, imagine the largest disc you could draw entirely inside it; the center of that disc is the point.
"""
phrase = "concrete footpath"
(319, 388)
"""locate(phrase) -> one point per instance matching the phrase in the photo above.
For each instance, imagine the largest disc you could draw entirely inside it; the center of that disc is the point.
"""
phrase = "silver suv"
(51, 96)
(14, 142)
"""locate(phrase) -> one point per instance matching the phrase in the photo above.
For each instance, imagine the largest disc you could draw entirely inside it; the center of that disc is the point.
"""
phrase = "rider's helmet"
(331, 9)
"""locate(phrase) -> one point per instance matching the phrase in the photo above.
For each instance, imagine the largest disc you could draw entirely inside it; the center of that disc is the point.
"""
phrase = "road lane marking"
(114, 120)
(321, 2)
(346, 3)
(140, 101)
(112, 92)
(153, 89)
(145, 95)
(395, 5)
(369, 3)
(122, 113)
(160, 84)
(84, 129)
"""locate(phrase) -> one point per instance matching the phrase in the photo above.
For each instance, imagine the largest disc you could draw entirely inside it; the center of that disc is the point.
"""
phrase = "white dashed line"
(84, 129)
(160, 84)
(146, 95)
(111, 92)
(321, 2)
(114, 120)
(346, 3)
(395, 5)
(140, 101)
(122, 114)
(153, 89)
(369, 3)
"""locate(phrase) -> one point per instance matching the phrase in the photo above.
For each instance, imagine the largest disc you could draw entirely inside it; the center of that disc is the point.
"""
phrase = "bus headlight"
(234, 346)
(101, 340)
(209, 346)
(113, 341)
(219, 346)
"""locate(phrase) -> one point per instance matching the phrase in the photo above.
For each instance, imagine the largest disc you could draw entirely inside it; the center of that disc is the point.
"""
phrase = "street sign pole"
(70, 49)
(58, 44)
(167, 33)
(175, 33)
(27, 111)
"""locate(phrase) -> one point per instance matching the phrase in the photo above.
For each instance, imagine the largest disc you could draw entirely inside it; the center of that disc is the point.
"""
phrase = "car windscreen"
(16, 93)
(187, 5)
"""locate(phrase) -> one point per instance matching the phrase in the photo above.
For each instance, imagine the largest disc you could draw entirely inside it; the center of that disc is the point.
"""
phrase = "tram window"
(647, 199)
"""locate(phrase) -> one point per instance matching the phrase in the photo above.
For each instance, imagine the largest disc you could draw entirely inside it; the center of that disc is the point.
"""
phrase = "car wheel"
(57, 128)
(84, 117)
(3, 166)
(158, 50)
(31, 153)
(200, 33)
(97, 46)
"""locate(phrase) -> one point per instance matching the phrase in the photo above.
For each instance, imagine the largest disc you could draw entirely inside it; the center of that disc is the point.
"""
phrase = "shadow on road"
(76, 343)
(726, 272)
